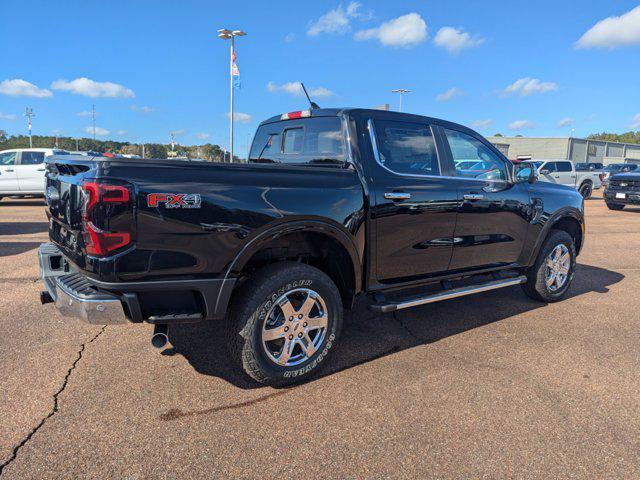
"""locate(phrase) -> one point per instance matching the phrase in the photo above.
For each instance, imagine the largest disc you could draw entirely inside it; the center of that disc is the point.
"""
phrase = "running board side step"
(446, 294)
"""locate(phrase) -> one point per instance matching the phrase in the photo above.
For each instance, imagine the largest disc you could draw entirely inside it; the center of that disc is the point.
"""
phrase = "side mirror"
(544, 171)
(525, 172)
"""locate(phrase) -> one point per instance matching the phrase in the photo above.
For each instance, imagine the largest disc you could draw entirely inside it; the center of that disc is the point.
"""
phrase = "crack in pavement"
(407, 329)
(55, 408)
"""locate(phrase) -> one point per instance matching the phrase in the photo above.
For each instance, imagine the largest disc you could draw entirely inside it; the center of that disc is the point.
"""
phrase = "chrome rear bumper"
(73, 295)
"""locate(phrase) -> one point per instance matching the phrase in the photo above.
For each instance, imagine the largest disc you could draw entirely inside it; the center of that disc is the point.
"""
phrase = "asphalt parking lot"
(493, 385)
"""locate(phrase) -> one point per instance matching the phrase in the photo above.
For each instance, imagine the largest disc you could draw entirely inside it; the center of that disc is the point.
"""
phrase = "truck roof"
(331, 112)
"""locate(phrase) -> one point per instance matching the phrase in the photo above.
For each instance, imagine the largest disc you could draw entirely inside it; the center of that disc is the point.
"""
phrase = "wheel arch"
(569, 220)
(316, 242)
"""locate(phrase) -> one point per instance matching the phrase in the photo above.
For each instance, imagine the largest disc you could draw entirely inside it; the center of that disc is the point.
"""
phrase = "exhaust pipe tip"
(45, 297)
(159, 338)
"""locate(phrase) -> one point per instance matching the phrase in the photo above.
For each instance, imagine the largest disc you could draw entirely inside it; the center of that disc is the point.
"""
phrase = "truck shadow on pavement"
(367, 336)
(23, 228)
(16, 248)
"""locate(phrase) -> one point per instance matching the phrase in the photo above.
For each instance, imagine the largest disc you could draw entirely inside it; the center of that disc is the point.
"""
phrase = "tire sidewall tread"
(252, 303)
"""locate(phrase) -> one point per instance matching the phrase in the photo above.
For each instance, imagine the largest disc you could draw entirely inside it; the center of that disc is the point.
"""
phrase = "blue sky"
(499, 66)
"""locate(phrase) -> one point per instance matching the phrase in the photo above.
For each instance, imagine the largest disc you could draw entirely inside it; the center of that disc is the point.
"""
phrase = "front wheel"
(549, 278)
(284, 322)
(615, 206)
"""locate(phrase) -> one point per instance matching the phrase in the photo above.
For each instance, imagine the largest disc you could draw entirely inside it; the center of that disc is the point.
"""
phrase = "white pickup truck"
(22, 171)
(564, 172)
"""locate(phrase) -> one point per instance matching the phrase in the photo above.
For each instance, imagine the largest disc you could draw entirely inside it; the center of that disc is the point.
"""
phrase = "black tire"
(586, 189)
(255, 305)
(615, 206)
(536, 286)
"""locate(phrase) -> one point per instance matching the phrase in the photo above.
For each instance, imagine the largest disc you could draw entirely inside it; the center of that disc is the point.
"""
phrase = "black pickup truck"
(623, 189)
(334, 205)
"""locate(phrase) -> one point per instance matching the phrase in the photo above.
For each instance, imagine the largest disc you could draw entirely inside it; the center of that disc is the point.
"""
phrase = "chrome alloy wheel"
(294, 327)
(557, 267)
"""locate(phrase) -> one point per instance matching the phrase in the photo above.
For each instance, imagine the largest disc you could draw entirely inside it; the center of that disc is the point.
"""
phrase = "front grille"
(628, 185)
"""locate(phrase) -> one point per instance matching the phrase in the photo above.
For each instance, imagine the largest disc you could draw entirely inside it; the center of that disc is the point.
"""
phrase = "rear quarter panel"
(238, 204)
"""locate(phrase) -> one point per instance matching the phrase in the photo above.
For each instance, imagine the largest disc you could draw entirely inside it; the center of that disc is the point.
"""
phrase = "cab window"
(406, 148)
(474, 159)
(550, 167)
(310, 141)
(564, 167)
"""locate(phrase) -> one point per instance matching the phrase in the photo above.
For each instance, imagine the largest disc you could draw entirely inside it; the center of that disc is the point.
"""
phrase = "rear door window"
(564, 167)
(31, 158)
(406, 148)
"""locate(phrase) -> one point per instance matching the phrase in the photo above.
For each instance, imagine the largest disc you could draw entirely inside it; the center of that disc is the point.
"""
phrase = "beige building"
(566, 148)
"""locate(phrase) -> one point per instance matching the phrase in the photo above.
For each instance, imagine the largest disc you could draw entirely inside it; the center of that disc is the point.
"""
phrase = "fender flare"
(316, 226)
(565, 212)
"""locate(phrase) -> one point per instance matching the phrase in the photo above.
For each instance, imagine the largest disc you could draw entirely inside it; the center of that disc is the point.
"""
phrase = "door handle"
(395, 196)
(9, 170)
(41, 169)
(472, 197)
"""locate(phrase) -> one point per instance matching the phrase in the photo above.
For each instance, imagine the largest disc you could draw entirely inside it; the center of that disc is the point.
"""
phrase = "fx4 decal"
(174, 200)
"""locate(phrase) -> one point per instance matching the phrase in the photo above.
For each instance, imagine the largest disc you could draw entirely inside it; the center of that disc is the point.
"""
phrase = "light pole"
(226, 34)
(29, 114)
(401, 91)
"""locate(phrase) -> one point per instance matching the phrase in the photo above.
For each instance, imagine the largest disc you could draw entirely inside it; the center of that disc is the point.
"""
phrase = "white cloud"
(240, 117)
(528, 86)
(565, 122)
(202, 136)
(520, 125)
(143, 108)
(121, 132)
(482, 124)
(99, 131)
(450, 94)
(85, 113)
(289, 37)
(21, 88)
(635, 122)
(295, 88)
(404, 31)
(613, 31)
(455, 39)
(336, 21)
(7, 116)
(177, 133)
(89, 88)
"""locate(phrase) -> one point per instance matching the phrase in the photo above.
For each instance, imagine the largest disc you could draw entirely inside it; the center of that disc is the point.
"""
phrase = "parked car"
(593, 166)
(335, 205)
(623, 189)
(615, 168)
(563, 172)
(22, 171)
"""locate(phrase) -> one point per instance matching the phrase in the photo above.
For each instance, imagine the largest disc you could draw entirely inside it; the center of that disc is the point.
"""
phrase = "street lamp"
(226, 34)
(400, 91)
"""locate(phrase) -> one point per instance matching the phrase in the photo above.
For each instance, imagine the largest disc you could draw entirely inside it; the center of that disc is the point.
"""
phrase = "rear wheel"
(615, 206)
(284, 322)
(550, 277)
(586, 189)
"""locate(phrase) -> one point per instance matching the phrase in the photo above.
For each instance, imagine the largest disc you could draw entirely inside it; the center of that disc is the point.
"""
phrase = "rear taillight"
(99, 242)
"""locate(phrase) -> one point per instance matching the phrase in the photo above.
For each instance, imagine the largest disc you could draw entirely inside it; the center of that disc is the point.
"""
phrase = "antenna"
(93, 116)
(314, 105)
